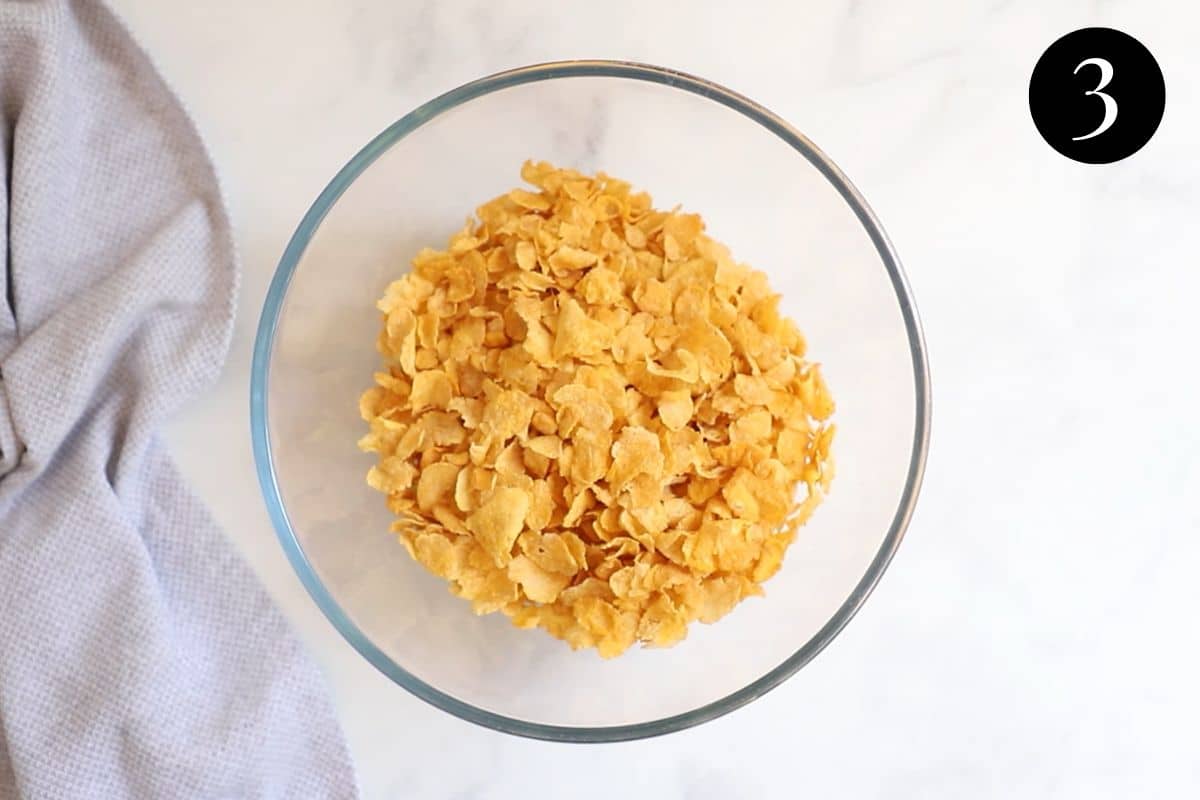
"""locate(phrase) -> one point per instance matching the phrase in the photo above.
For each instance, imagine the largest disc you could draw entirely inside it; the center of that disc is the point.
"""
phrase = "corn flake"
(591, 418)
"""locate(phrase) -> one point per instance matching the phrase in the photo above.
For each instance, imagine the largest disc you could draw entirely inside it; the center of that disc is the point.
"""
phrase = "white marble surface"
(1035, 637)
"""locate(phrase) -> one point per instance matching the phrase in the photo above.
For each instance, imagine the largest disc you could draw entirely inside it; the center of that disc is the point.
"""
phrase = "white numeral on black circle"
(1110, 105)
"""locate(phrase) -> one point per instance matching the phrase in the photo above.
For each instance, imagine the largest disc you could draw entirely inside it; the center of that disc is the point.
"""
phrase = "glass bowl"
(764, 190)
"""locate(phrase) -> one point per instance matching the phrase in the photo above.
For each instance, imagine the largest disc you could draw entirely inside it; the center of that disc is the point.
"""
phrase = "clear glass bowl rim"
(260, 375)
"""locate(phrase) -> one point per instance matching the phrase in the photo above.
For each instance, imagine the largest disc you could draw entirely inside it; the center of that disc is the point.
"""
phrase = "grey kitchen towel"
(139, 658)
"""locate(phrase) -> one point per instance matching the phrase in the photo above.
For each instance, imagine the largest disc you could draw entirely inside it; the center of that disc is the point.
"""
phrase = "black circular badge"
(1097, 95)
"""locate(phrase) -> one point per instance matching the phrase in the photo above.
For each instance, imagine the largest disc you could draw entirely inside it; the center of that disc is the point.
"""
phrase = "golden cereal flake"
(591, 418)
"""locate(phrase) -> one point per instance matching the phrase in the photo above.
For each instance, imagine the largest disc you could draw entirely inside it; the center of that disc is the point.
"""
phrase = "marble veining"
(1034, 636)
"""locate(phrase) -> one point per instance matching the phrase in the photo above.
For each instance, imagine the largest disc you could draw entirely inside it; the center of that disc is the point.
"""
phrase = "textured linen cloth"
(138, 656)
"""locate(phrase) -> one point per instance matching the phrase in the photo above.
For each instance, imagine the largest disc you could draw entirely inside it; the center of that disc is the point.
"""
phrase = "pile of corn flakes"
(591, 418)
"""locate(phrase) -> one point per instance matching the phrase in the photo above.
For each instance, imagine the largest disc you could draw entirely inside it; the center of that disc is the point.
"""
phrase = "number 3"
(1110, 105)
